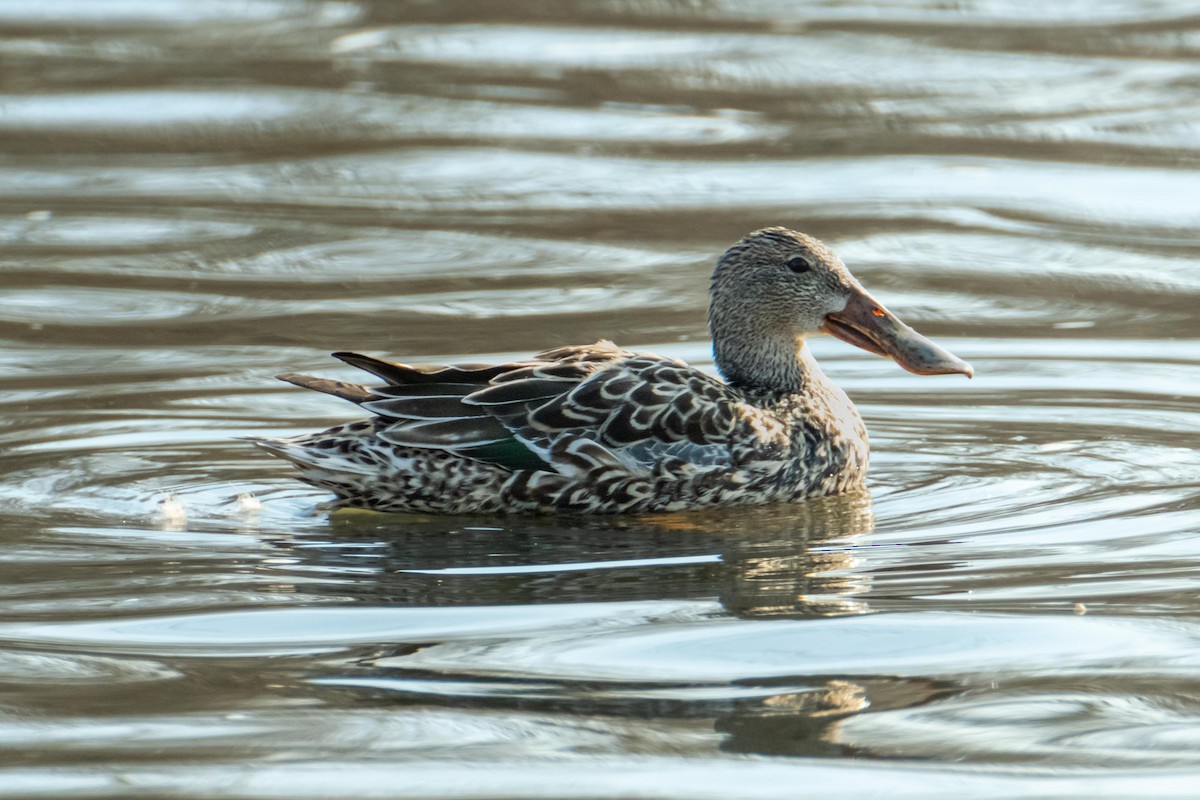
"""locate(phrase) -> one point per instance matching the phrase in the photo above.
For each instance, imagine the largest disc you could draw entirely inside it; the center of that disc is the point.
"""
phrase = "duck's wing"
(566, 410)
(639, 411)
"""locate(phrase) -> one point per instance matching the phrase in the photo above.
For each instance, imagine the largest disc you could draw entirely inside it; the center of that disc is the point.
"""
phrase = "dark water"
(196, 195)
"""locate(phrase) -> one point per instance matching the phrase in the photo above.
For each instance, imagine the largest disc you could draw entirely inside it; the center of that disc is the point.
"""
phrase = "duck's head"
(776, 286)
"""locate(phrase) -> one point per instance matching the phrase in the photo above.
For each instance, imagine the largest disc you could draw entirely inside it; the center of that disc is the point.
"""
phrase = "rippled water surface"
(197, 195)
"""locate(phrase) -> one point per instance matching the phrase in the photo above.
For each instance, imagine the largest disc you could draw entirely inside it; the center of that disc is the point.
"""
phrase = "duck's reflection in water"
(809, 723)
(788, 560)
(799, 561)
(795, 561)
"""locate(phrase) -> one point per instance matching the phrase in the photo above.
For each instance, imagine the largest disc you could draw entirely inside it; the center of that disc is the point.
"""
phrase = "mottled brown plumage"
(597, 429)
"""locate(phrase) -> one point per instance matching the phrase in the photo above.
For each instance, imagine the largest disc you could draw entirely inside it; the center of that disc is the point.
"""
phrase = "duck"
(596, 429)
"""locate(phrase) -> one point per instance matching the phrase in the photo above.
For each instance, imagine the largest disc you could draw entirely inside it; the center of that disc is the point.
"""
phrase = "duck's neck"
(780, 363)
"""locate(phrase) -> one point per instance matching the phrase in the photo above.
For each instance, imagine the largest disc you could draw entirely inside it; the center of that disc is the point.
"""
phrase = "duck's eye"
(799, 264)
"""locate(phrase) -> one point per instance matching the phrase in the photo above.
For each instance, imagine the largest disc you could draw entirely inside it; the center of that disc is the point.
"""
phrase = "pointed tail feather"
(403, 374)
(346, 391)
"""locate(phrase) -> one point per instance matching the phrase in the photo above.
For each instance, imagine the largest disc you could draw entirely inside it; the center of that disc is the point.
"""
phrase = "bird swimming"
(595, 429)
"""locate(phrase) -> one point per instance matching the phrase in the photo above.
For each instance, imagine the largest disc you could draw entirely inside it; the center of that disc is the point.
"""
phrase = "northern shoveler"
(597, 429)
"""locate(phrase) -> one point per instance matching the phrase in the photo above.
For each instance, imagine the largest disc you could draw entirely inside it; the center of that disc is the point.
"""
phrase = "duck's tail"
(367, 472)
(330, 459)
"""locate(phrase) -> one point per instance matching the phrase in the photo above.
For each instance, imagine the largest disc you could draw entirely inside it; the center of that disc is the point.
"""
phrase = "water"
(197, 195)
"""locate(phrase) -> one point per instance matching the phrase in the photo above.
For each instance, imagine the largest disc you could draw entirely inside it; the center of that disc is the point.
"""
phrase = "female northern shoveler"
(596, 429)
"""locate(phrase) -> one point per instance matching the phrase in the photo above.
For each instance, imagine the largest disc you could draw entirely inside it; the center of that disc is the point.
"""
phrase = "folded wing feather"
(610, 405)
